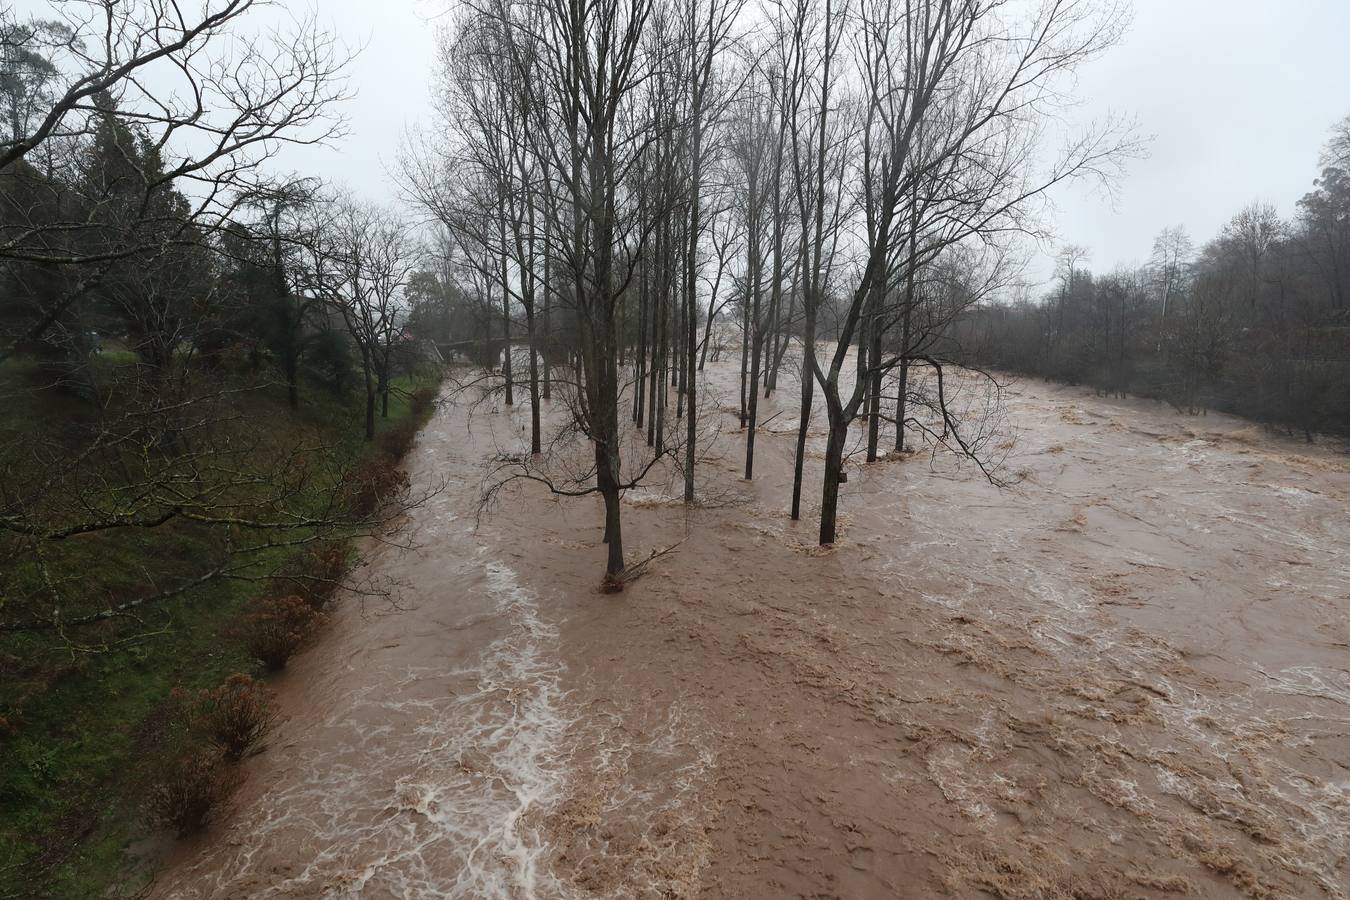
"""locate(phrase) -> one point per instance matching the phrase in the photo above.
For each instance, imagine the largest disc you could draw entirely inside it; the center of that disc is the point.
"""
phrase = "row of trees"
(1255, 322)
(153, 272)
(842, 177)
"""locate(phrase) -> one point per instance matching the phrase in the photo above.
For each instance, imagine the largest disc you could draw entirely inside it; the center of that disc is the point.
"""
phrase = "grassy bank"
(85, 721)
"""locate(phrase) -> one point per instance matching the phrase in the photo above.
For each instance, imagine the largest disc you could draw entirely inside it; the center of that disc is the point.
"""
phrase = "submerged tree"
(950, 118)
(869, 160)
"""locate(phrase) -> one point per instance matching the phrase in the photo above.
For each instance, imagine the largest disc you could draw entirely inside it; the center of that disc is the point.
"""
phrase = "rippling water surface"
(1125, 674)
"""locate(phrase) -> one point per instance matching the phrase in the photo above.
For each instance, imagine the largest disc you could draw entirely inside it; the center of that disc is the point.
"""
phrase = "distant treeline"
(1257, 322)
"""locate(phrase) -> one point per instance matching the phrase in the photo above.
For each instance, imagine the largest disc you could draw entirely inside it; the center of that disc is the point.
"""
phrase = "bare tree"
(210, 104)
(580, 71)
(953, 91)
(360, 268)
(1170, 263)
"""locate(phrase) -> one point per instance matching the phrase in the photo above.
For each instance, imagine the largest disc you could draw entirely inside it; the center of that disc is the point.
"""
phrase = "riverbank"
(87, 718)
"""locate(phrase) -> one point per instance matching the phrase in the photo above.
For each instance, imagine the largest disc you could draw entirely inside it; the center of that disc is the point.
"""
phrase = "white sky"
(1238, 96)
(391, 78)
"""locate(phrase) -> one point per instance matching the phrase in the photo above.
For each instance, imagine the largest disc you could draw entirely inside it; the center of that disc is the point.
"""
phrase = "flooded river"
(1125, 673)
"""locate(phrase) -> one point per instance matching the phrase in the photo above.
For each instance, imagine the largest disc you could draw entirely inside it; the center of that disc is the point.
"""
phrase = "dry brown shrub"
(192, 785)
(397, 440)
(234, 717)
(316, 575)
(371, 483)
(273, 628)
(422, 400)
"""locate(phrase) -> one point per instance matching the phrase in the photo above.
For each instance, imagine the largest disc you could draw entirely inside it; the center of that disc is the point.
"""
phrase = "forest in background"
(1255, 322)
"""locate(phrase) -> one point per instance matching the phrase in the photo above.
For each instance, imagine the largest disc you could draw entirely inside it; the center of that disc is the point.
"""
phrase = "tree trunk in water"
(681, 357)
(804, 425)
(607, 460)
(745, 359)
(691, 421)
(661, 399)
(613, 524)
(506, 348)
(654, 376)
(707, 334)
(656, 436)
(874, 390)
(903, 389)
(780, 350)
(691, 367)
(547, 375)
(834, 466)
(775, 300)
(656, 403)
(756, 353)
(535, 443)
(639, 393)
(676, 379)
(506, 301)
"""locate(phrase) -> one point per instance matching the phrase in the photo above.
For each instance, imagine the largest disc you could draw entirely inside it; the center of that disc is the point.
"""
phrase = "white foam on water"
(444, 798)
(1312, 681)
(510, 755)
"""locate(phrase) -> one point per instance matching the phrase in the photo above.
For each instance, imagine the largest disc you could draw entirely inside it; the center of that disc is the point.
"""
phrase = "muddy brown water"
(1126, 674)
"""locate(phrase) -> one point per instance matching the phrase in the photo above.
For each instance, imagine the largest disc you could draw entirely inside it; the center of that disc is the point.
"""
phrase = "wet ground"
(1124, 674)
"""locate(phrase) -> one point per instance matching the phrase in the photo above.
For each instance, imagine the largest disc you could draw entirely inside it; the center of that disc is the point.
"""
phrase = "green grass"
(73, 799)
(85, 730)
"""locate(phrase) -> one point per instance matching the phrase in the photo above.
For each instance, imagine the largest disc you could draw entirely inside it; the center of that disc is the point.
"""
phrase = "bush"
(398, 439)
(371, 483)
(330, 353)
(316, 575)
(422, 400)
(193, 785)
(273, 628)
(234, 717)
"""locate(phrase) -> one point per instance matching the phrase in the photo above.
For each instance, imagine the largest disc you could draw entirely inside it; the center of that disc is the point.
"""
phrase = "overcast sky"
(1238, 96)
